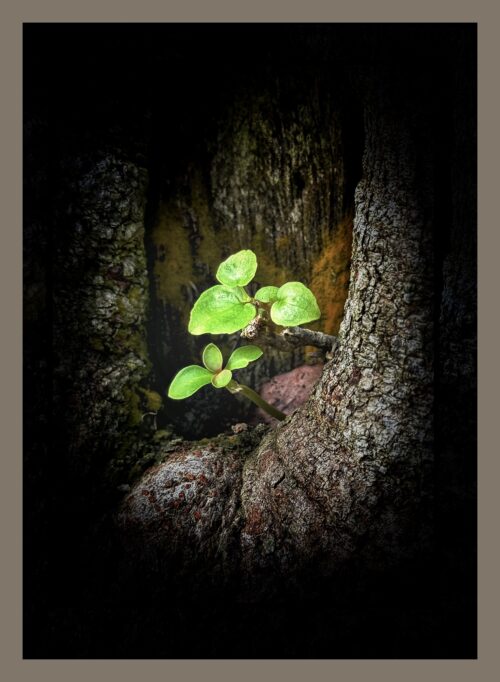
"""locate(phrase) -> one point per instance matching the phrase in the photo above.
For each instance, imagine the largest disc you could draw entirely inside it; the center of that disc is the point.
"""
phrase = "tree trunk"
(348, 474)
(343, 157)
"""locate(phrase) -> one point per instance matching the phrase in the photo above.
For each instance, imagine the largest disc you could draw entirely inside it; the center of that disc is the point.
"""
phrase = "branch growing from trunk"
(265, 333)
(298, 336)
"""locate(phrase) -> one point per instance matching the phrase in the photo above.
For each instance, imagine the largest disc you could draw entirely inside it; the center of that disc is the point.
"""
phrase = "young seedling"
(228, 307)
(190, 379)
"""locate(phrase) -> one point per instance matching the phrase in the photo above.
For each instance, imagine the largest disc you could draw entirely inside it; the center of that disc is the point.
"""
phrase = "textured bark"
(87, 306)
(262, 542)
(86, 281)
(346, 474)
(196, 500)
(99, 298)
(353, 460)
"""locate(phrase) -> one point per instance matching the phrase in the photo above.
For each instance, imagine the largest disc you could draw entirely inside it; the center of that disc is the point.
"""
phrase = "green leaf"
(220, 310)
(212, 358)
(295, 304)
(241, 357)
(238, 269)
(242, 294)
(267, 294)
(221, 379)
(188, 381)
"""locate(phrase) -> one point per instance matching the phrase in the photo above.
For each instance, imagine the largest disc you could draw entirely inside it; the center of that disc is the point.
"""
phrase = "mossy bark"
(96, 302)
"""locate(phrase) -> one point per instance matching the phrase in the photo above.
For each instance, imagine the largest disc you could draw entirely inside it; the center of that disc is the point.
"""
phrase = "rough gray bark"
(343, 483)
(99, 297)
(274, 180)
(349, 467)
(346, 474)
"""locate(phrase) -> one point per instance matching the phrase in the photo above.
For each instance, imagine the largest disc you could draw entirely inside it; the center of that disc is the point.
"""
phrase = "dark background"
(156, 93)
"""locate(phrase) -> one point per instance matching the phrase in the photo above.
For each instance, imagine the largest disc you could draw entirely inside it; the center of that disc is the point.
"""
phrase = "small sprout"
(190, 379)
(226, 308)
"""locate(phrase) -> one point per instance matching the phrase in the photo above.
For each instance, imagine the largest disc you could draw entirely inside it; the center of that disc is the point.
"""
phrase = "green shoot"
(227, 308)
(190, 379)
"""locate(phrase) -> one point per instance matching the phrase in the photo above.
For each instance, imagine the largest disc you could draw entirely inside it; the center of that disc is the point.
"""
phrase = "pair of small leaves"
(226, 307)
(292, 304)
(190, 379)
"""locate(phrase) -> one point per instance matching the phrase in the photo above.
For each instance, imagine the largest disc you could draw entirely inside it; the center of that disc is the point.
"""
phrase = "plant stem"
(265, 333)
(235, 387)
